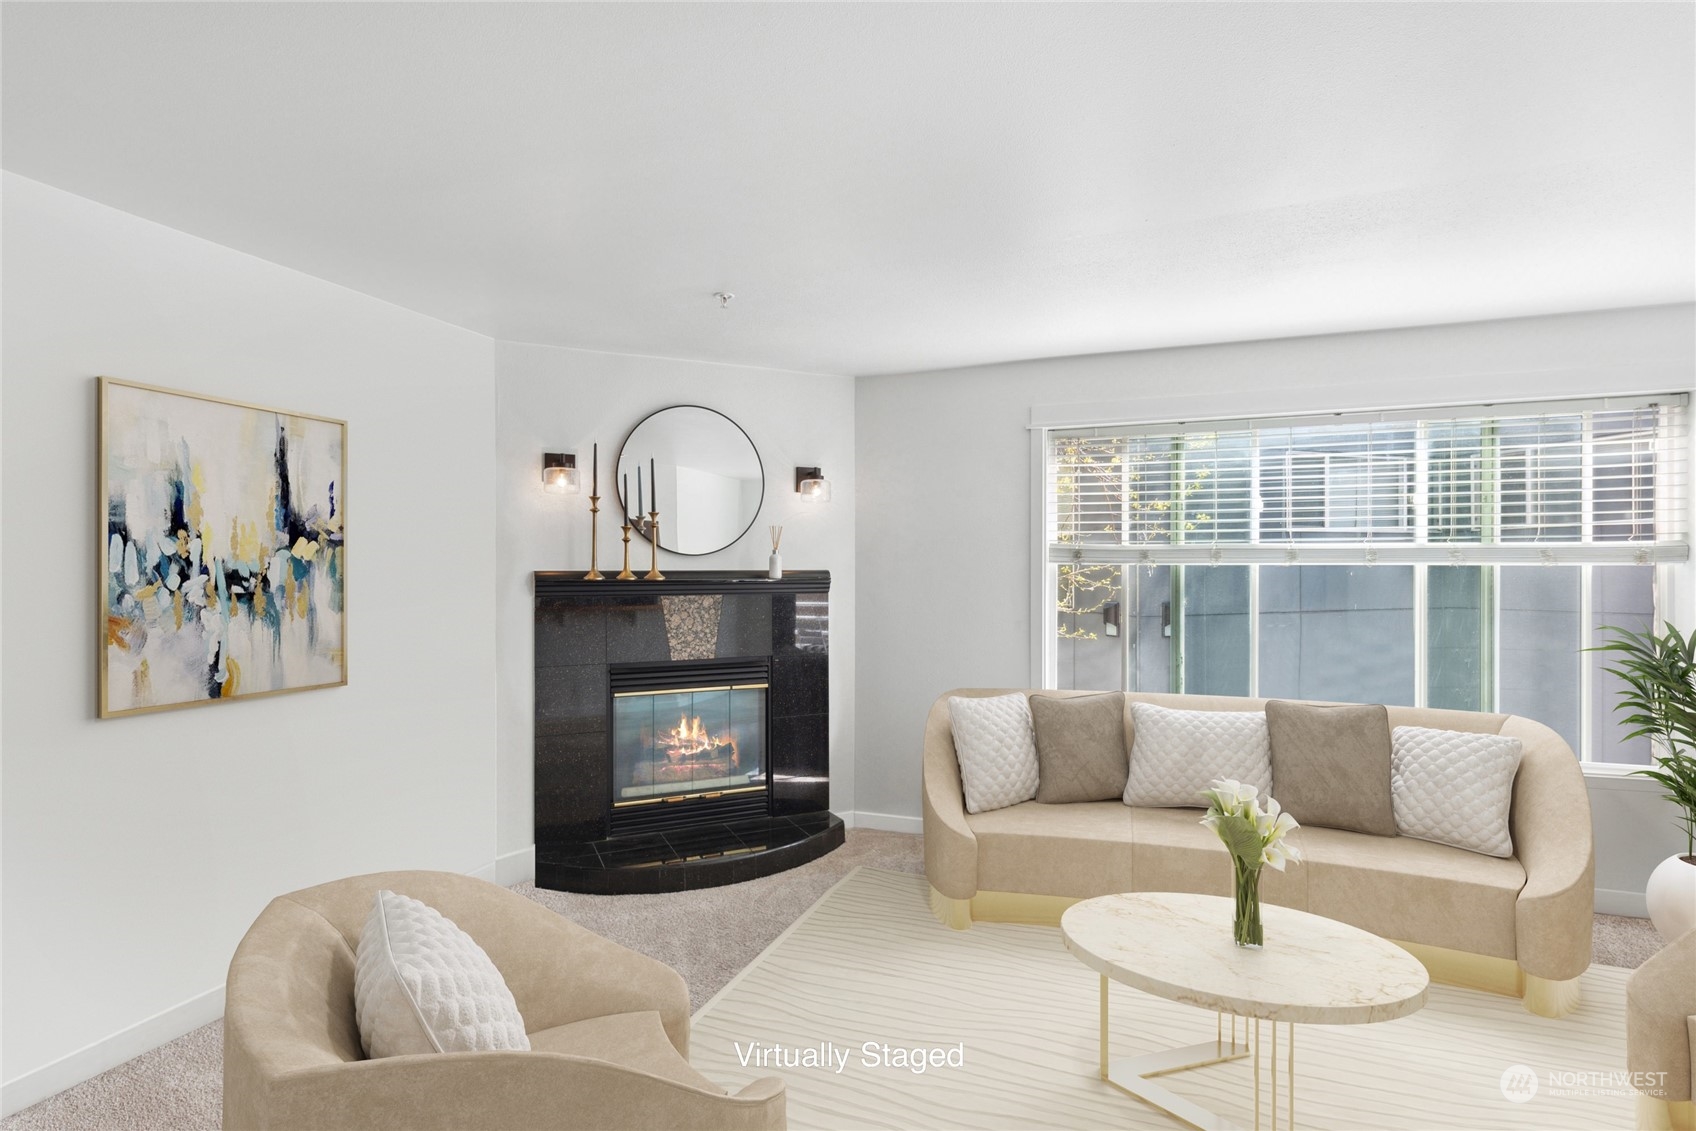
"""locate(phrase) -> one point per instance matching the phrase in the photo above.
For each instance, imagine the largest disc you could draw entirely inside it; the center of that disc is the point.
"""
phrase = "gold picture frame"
(222, 550)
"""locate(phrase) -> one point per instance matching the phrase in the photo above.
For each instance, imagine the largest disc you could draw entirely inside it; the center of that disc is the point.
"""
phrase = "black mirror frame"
(642, 528)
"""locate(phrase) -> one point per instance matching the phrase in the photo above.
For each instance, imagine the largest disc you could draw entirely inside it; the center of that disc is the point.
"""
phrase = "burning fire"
(689, 739)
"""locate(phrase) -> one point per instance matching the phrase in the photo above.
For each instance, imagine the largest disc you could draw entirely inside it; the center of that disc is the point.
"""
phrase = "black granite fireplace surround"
(682, 729)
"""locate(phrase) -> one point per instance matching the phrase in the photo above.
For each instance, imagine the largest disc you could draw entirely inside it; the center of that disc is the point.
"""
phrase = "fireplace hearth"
(682, 730)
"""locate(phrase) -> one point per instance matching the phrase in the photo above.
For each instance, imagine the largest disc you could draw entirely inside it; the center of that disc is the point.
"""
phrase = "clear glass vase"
(1245, 926)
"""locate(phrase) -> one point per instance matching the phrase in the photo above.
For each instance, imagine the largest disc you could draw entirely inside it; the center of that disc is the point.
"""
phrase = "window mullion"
(1421, 637)
(1487, 646)
(1253, 631)
(1586, 673)
(1175, 621)
(1421, 577)
(1254, 570)
(1130, 622)
(1175, 534)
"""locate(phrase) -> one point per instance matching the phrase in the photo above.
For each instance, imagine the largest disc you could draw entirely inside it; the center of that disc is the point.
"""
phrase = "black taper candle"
(624, 500)
(640, 509)
(654, 482)
(595, 481)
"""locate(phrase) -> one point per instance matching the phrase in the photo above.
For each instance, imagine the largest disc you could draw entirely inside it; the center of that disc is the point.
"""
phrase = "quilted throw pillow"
(1453, 787)
(1177, 754)
(420, 984)
(996, 745)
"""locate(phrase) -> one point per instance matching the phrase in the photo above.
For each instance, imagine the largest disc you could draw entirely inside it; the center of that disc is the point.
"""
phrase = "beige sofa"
(1518, 926)
(609, 1028)
(1660, 1036)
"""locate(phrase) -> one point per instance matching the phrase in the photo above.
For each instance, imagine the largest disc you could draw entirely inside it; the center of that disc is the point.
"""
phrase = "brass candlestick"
(594, 573)
(654, 573)
(625, 574)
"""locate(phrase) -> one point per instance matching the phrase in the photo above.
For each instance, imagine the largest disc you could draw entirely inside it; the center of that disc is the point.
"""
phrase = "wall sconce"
(811, 485)
(559, 473)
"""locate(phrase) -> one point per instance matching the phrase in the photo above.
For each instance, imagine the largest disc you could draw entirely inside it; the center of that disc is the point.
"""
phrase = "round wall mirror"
(710, 479)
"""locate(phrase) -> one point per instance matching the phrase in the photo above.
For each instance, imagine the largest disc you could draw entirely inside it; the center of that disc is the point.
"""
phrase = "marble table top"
(1312, 970)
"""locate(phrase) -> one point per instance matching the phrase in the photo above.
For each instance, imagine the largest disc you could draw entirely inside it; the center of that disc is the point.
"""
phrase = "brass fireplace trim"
(687, 796)
(683, 690)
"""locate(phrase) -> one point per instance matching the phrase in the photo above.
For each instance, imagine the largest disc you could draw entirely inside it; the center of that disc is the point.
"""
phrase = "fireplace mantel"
(555, 583)
(588, 630)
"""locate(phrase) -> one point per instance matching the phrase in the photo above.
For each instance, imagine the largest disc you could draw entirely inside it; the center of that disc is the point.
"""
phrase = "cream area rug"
(1006, 1019)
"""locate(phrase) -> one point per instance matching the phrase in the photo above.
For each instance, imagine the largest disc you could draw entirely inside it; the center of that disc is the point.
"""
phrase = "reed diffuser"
(774, 568)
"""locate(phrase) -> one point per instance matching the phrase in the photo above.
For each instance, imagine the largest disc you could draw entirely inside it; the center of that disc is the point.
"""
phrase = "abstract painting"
(224, 560)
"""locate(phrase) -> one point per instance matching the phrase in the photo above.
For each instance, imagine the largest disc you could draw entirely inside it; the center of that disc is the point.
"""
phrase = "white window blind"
(1596, 482)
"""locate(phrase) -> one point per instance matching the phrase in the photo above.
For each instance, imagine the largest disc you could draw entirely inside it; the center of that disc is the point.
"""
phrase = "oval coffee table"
(1312, 970)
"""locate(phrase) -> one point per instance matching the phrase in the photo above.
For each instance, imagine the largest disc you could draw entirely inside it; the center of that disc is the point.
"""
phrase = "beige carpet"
(708, 935)
(870, 965)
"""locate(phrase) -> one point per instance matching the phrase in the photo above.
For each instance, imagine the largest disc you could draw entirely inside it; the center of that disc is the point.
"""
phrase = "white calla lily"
(1255, 835)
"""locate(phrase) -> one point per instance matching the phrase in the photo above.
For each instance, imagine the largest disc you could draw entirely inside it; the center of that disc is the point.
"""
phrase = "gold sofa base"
(1542, 996)
(1665, 1115)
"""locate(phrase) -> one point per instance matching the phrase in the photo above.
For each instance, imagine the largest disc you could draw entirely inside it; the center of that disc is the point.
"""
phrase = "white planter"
(1672, 896)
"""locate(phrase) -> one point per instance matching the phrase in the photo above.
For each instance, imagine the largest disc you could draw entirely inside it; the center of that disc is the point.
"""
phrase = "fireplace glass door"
(692, 742)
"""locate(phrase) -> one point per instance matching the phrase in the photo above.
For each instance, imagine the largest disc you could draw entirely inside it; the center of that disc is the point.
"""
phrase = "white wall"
(554, 400)
(945, 495)
(137, 850)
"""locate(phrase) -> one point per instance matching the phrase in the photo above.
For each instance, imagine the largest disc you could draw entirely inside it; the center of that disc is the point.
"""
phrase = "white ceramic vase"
(1672, 896)
(774, 568)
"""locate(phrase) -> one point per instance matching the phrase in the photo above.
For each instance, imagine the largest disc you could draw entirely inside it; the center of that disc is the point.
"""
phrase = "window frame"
(1672, 579)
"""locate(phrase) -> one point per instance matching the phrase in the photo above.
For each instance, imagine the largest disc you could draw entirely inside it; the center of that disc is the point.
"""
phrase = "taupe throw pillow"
(1331, 765)
(1080, 748)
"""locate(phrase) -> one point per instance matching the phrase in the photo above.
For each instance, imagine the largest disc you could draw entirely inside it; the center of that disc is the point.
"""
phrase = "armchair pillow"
(1331, 765)
(1080, 747)
(420, 984)
(1177, 754)
(996, 746)
(1454, 787)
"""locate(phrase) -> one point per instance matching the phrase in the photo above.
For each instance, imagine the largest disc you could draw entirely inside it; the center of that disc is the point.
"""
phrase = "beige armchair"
(609, 1028)
(1660, 1036)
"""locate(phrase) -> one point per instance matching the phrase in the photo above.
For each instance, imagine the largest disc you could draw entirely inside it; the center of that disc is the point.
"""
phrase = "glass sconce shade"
(811, 485)
(559, 473)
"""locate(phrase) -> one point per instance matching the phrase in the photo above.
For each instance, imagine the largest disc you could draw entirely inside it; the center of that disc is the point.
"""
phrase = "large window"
(1448, 558)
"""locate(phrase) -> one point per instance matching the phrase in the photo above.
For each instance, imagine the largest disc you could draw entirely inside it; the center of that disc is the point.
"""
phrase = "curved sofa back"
(1549, 821)
(1548, 771)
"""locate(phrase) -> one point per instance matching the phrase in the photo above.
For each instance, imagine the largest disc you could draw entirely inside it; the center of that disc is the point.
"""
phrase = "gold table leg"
(1272, 1072)
(1135, 1075)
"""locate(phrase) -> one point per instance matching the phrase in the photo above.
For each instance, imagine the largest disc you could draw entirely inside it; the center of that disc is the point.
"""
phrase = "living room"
(1188, 358)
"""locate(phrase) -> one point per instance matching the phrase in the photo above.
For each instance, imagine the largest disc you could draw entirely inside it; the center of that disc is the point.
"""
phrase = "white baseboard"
(1611, 902)
(888, 822)
(515, 867)
(109, 1052)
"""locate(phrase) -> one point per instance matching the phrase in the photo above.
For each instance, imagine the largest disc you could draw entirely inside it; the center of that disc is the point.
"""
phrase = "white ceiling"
(892, 187)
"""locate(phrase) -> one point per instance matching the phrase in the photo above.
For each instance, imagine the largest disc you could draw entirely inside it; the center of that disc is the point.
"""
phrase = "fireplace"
(682, 729)
(688, 742)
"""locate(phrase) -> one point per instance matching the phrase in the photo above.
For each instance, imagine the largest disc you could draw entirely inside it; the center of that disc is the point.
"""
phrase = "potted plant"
(1660, 677)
